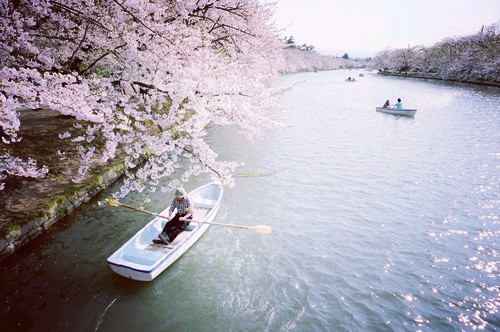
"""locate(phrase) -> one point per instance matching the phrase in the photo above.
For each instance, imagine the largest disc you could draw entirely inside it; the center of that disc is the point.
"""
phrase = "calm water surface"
(381, 223)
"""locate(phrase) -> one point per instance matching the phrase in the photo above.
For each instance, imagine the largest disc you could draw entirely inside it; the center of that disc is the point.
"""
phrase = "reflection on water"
(380, 223)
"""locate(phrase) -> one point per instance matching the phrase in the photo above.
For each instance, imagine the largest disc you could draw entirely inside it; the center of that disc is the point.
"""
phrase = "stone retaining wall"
(56, 208)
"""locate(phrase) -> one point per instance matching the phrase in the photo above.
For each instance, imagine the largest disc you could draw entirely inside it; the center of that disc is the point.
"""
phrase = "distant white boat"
(140, 259)
(350, 79)
(397, 111)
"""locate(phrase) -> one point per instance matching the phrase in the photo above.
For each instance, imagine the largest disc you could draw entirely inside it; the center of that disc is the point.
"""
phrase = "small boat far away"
(140, 259)
(397, 111)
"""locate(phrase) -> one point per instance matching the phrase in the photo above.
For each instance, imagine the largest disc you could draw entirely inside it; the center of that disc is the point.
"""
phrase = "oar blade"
(263, 229)
(113, 202)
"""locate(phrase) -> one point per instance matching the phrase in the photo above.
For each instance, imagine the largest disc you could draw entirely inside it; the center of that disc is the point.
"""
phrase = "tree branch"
(192, 153)
(78, 13)
(78, 47)
(100, 58)
(141, 22)
(150, 86)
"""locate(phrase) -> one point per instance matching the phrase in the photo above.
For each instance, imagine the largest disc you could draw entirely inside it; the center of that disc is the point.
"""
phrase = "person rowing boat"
(181, 219)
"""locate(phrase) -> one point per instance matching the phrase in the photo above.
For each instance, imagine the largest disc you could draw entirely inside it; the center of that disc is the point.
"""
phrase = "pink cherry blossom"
(147, 77)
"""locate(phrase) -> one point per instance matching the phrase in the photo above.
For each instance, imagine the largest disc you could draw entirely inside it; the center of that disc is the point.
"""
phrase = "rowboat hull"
(142, 260)
(397, 111)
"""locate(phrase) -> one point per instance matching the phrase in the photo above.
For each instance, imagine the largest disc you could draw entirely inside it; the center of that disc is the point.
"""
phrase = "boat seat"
(199, 214)
(191, 226)
(205, 203)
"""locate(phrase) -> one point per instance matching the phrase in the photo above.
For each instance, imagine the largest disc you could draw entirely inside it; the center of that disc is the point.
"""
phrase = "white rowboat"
(397, 111)
(140, 259)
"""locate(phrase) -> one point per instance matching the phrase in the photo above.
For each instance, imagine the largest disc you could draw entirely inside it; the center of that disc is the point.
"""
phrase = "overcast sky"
(365, 27)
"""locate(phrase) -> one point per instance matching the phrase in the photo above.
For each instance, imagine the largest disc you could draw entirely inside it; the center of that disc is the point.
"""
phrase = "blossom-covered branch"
(144, 76)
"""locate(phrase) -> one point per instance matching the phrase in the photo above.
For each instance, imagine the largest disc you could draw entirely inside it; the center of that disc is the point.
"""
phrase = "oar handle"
(221, 224)
(260, 228)
(143, 211)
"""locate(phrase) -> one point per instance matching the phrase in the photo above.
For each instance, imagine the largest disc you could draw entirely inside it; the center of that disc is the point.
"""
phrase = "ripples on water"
(380, 223)
(383, 222)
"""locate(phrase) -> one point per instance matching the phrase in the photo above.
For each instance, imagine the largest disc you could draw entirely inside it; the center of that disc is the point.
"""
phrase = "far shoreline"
(436, 78)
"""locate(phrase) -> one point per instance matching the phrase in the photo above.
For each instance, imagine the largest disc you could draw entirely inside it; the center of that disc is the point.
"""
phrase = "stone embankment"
(29, 207)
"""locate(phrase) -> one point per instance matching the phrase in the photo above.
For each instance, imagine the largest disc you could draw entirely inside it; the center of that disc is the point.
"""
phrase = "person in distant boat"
(387, 104)
(399, 104)
(181, 219)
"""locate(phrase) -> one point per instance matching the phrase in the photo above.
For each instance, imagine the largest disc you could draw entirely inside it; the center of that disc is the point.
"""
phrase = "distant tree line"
(290, 43)
(298, 58)
(470, 58)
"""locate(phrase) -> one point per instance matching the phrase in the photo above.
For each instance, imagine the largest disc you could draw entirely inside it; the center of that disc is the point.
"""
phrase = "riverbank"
(29, 207)
(436, 77)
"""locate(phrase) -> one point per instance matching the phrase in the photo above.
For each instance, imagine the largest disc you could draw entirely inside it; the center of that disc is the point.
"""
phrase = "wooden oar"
(260, 228)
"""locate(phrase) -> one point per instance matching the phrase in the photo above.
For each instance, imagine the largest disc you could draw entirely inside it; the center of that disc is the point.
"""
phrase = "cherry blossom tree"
(148, 77)
(468, 58)
(298, 58)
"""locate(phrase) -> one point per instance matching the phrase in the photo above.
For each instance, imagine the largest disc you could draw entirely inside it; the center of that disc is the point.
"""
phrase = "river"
(380, 223)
